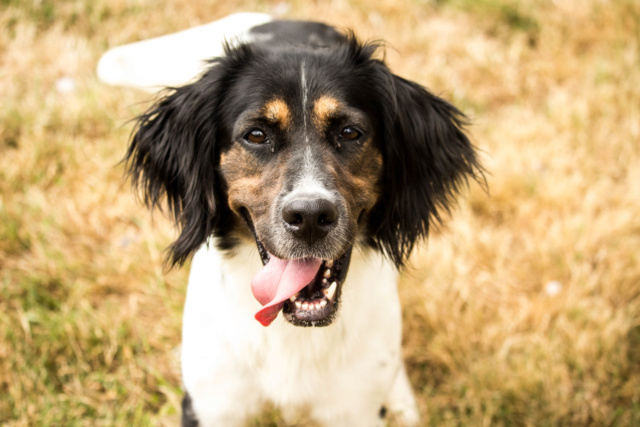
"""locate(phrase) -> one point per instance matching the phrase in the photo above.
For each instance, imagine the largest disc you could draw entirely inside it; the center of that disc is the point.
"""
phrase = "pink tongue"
(278, 281)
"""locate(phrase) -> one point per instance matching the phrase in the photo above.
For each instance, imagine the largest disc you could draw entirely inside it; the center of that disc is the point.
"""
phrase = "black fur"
(427, 158)
(176, 145)
(173, 153)
(188, 418)
(298, 32)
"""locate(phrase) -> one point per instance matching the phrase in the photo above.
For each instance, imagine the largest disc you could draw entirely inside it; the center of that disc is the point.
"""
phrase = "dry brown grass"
(89, 322)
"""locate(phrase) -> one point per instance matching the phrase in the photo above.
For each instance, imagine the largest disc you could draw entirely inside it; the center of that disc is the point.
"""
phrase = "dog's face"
(303, 168)
(303, 175)
(305, 153)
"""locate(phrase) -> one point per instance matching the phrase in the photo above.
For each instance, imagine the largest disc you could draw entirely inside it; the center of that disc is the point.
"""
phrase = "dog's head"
(307, 152)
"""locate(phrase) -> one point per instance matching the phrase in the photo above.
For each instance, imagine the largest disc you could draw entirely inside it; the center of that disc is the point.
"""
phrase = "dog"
(301, 172)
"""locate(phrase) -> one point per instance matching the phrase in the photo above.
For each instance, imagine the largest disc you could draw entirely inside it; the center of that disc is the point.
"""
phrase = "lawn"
(522, 309)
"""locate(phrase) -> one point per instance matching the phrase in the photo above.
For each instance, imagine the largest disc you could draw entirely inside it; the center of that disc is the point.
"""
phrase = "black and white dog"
(301, 172)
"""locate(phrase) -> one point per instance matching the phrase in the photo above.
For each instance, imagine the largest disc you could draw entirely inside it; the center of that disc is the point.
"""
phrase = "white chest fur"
(231, 364)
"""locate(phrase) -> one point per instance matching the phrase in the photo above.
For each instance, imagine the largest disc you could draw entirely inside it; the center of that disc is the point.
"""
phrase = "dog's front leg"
(219, 391)
(368, 400)
(228, 407)
(361, 412)
(401, 401)
(217, 336)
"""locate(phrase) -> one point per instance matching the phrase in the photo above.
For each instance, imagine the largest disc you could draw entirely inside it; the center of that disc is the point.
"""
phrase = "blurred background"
(523, 309)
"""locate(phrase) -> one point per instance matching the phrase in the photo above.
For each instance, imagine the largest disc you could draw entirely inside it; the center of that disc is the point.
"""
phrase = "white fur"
(341, 374)
(305, 95)
(309, 183)
(174, 59)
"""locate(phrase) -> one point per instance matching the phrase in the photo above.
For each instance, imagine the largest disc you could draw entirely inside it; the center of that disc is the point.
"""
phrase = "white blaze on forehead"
(308, 175)
(308, 179)
(305, 96)
(309, 182)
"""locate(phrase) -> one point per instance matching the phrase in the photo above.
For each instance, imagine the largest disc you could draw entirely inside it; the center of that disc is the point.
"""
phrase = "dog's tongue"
(278, 281)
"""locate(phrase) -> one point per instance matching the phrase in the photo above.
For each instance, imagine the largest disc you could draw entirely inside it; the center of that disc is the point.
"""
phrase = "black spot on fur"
(188, 415)
(383, 412)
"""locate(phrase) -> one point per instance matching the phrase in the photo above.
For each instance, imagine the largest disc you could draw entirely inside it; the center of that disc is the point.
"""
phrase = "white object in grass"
(553, 288)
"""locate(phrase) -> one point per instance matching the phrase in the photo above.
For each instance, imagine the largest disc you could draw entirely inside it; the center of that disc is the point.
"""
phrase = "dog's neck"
(224, 277)
(219, 328)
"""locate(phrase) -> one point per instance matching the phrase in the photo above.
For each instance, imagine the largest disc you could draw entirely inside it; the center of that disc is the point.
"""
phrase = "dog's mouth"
(306, 290)
(317, 303)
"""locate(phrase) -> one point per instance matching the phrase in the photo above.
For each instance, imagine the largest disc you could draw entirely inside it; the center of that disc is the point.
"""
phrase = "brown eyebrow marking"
(324, 109)
(277, 111)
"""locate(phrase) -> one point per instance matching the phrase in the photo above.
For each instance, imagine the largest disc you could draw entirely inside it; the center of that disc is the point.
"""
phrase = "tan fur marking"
(250, 184)
(324, 108)
(277, 111)
(358, 182)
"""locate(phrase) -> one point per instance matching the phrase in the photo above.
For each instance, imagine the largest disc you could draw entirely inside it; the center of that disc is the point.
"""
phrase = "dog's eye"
(256, 136)
(350, 134)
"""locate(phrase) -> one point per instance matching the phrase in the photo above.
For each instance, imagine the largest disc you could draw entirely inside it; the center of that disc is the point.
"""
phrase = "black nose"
(310, 219)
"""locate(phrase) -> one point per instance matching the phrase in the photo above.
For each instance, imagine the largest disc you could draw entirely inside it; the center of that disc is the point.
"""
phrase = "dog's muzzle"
(309, 219)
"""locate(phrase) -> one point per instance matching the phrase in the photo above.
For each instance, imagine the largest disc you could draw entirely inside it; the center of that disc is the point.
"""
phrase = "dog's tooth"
(325, 282)
(298, 304)
(294, 298)
(331, 291)
(327, 273)
(318, 306)
(329, 264)
(323, 303)
(305, 305)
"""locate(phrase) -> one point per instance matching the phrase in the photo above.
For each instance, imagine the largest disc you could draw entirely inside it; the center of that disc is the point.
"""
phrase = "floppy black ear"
(427, 158)
(172, 155)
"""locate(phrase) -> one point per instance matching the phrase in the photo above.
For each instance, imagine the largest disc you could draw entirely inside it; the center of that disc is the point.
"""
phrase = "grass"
(522, 310)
